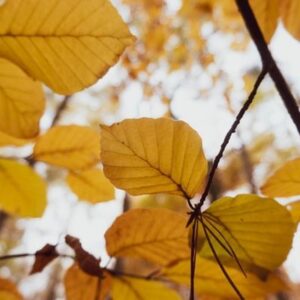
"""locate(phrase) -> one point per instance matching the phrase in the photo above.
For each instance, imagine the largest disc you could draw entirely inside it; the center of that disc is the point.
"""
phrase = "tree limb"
(269, 62)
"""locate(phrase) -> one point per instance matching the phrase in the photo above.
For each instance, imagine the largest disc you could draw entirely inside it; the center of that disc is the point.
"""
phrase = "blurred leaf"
(145, 156)
(86, 261)
(8, 140)
(22, 192)
(285, 182)
(290, 15)
(267, 14)
(259, 230)
(8, 290)
(91, 185)
(140, 289)
(43, 257)
(294, 208)
(21, 101)
(82, 286)
(68, 45)
(72, 146)
(156, 235)
(209, 280)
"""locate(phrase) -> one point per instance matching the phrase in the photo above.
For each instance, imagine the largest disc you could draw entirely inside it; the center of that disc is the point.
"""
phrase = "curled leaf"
(86, 261)
(43, 257)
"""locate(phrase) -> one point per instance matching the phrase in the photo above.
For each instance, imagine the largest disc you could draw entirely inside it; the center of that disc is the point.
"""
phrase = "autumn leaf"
(71, 146)
(259, 230)
(290, 15)
(294, 208)
(86, 261)
(8, 290)
(8, 140)
(43, 257)
(267, 14)
(130, 288)
(146, 156)
(18, 182)
(209, 280)
(91, 185)
(66, 44)
(81, 286)
(285, 182)
(21, 101)
(157, 235)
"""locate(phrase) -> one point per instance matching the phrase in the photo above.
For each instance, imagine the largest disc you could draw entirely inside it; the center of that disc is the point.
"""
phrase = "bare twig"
(60, 109)
(232, 129)
(269, 62)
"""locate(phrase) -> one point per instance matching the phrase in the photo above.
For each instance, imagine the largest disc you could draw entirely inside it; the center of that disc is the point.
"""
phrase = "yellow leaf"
(22, 192)
(91, 185)
(209, 280)
(66, 44)
(147, 156)
(267, 14)
(21, 101)
(8, 140)
(81, 286)
(73, 147)
(259, 230)
(294, 208)
(139, 289)
(157, 235)
(290, 15)
(285, 182)
(8, 290)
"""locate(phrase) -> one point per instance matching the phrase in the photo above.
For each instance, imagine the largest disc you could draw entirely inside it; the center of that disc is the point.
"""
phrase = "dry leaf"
(86, 261)
(43, 257)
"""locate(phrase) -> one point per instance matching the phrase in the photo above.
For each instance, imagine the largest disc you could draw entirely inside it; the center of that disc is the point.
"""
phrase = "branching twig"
(268, 61)
(225, 143)
(196, 211)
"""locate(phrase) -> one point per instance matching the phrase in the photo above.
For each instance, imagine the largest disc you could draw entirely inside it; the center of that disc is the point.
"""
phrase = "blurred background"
(192, 61)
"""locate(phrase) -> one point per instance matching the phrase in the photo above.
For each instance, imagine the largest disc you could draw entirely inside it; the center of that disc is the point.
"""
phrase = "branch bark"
(269, 62)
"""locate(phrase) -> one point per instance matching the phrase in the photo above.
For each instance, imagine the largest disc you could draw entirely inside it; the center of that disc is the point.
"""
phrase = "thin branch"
(268, 61)
(233, 128)
(220, 263)
(21, 255)
(60, 109)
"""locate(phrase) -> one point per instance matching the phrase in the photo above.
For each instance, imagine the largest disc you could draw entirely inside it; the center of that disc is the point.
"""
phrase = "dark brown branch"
(61, 107)
(233, 128)
(269, 62)
(21, 255)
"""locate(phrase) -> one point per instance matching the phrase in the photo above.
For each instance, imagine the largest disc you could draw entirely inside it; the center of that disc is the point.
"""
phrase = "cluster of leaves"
(68, 46)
